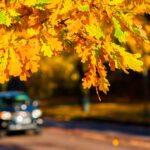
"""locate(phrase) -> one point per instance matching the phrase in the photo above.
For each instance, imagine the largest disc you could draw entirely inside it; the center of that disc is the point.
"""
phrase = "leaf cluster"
(97, 31)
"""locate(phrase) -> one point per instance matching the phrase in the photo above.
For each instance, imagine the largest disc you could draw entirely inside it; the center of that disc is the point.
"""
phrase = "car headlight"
(36, 113)
(4, 115)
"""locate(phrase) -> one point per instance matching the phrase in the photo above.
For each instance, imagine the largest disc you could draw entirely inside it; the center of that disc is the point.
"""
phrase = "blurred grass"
(118, 112)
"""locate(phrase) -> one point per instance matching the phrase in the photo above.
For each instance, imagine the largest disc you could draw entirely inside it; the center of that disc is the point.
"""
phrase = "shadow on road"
(134, 130)
(11, 147)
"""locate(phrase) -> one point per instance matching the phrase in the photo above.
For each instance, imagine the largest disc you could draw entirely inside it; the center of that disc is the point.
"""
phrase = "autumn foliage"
(96, 30)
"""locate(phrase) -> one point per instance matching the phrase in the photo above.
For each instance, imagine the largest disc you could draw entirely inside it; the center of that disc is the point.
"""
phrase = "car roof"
(10, 93)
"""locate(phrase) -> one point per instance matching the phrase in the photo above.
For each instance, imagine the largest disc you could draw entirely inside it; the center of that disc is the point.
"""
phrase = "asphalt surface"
(75, 135)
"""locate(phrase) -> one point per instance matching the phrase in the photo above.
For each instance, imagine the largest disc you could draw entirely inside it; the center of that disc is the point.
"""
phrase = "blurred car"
(19, 113)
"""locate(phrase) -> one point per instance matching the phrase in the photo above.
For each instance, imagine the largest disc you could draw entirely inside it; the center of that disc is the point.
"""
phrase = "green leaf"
(43, 1)
(46, 49)
(95, 31)
(119, 34)
(130, 61)
(115, 2)
(2, 17)
(3, 61)
(83, 7)
(13, 13)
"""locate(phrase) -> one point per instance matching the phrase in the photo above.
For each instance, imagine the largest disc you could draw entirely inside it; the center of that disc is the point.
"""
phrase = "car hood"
(29, 108)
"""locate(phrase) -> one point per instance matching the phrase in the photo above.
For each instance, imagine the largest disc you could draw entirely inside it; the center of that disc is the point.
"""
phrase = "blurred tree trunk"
(84, 99)
(146, 85)
(145, 92)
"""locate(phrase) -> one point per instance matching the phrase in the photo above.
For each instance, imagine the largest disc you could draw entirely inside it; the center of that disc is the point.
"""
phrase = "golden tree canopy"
(96, 30)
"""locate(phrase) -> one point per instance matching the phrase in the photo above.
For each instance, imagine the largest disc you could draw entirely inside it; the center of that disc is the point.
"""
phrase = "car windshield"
(14, 100)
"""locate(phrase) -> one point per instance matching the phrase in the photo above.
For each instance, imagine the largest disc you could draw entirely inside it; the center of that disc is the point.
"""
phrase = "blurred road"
(75, 135)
